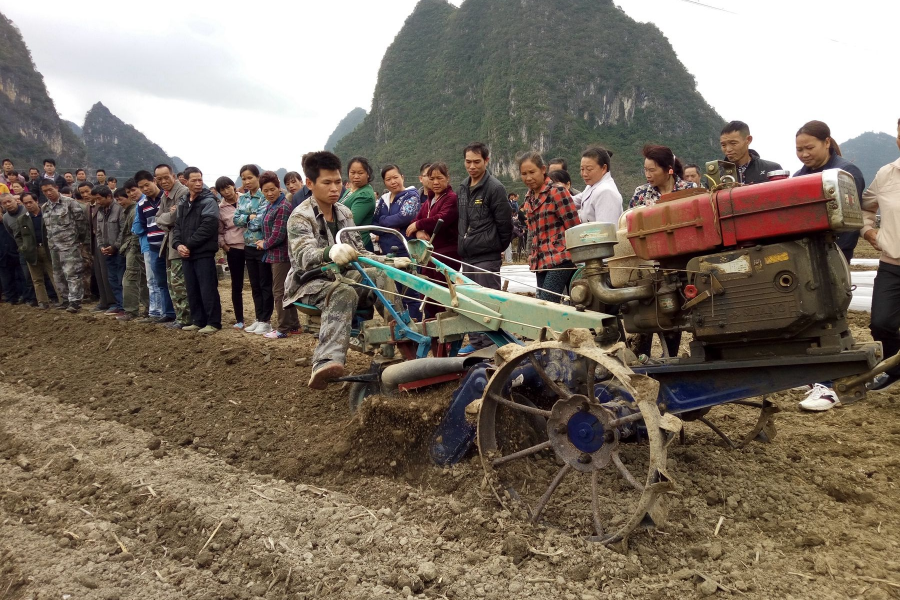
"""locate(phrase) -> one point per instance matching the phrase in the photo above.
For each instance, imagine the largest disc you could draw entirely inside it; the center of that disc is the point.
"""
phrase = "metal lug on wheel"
(561, 429)
(585, 407)
(609, 437)
(585, 459)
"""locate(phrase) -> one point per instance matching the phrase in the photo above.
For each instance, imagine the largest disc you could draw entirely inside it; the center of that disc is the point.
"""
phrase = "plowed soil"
(138, 462)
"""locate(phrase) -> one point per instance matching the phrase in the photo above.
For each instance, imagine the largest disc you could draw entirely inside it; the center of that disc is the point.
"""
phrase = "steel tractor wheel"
(570, 437)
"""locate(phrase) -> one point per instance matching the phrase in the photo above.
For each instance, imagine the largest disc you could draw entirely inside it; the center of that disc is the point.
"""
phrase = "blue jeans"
(115, 270)
(156, 281)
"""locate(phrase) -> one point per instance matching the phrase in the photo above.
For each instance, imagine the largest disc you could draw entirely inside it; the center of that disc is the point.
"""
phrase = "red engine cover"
(789, 207)
(674, 227)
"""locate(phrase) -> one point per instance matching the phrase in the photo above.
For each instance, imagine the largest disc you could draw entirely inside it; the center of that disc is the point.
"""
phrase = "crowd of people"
(146, 251)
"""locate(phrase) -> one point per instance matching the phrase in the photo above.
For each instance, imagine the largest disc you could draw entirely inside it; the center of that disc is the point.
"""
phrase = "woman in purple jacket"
(396, 210)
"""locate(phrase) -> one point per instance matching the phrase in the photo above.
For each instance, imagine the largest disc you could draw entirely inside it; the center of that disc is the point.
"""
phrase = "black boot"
(74, 307)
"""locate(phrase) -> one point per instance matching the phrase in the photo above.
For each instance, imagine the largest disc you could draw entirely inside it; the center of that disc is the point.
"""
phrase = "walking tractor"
(751, 272)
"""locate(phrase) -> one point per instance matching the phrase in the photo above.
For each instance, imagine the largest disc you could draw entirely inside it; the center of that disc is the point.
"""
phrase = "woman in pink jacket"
(231, 241)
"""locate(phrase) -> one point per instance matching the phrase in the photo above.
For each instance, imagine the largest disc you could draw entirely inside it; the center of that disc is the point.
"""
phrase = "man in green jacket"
(31, 240)
(134, 284)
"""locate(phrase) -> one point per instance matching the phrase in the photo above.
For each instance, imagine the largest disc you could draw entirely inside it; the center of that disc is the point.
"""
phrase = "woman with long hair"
(818, 151)
(663, 172)
(550, 210)
(360, 197)
(396, 209)
(231, 241)
(439, 205)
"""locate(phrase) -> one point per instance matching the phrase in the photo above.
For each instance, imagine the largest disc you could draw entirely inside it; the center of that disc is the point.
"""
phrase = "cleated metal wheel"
(739, 423)
(570, 437)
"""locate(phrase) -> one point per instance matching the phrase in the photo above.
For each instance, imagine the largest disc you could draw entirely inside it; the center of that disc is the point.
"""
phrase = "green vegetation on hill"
(870, 151)
(347, 124)
(30, 128)
(556, 78)
(118, 147)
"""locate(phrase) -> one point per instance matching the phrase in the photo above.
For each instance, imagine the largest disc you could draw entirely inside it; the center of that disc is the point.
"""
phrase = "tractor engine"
(748, 270)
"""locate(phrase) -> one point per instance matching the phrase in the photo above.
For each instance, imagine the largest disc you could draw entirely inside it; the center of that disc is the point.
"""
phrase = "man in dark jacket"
(110, 222)
(31, 240)
(484, 226)
(735, 140)
(195, 236)
(12, 280)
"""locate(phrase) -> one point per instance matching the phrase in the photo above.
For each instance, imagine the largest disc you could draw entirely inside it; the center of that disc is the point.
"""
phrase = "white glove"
(343, 254)
(402, 262)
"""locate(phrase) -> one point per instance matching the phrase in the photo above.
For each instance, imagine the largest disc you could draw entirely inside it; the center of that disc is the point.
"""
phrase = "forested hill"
(528, 74)
(347, 124)
(116, 146)
(30, 128)
(870, 151)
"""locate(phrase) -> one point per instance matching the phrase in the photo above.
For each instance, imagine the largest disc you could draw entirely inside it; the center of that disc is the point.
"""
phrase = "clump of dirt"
(391, 435)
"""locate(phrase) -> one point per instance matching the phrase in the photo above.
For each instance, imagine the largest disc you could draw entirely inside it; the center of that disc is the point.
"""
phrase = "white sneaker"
(252, 328)
(263, 329)
(820, 399)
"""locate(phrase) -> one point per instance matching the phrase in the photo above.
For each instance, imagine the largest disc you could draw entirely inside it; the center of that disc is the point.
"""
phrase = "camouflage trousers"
(338, 303)
(178, 291)
(134, 285)
(88, 258)
(68, 273)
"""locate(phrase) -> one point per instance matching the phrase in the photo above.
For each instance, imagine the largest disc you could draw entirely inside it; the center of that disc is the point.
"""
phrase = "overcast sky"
(220, 85)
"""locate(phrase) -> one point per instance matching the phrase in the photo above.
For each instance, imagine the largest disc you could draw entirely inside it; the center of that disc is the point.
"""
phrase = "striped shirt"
(147, 209)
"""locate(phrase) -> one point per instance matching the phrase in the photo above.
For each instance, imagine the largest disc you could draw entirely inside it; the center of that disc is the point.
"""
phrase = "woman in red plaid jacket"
(550, 210)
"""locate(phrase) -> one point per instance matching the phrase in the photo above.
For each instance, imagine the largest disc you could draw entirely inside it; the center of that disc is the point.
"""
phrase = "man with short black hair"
(312, 230)
(182, 178)
(8, 175)
(12, 279)
(70, 179)
(155, 256)
(735, 141)
(112, 183)
(31, 239)
(101, 176)
(110, 223)
(692, 174)
(80, 177)
(174, 193)
(484, 227)
(50, 173)
(67, 232)
(134, 281)
(558, 164)
(95, 274)
(196, 238)
(34, 183)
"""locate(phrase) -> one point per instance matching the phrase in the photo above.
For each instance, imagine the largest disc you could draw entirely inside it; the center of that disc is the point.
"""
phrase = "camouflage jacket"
(66, 223)
(309, 240)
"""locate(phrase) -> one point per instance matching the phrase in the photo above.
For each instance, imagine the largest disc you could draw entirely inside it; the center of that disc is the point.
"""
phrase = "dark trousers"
(885, 324)
(556, 281)
(12, 281)
(115, 274)
(260, 276)
(643, 343)
(28, 294)
(100, 281)
(287, 317)
(235, 258)
(201, 281)
(488, 280)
